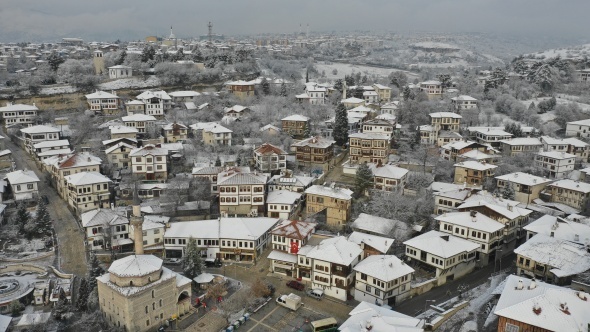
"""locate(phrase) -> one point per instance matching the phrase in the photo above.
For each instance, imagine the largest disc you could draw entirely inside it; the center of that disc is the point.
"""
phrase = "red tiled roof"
(269, 148)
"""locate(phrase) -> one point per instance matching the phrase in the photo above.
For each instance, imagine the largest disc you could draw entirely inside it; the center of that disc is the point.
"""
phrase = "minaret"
(136, 222)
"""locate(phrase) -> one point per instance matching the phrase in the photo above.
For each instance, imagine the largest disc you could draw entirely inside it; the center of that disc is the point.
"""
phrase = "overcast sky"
(50, 20)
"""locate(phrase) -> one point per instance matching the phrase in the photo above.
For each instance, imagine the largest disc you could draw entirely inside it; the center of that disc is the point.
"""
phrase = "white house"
(559, 228)
(153, 229)
(14, 114)
(104, 102)
(156, 102)
(105, 229)
(282, 203)
(141, 122)
(579, 128)
(120, 71)
(464, 102)
(37, 134)
(382, 279)
(451, 257)
(555, 164)
(368, 316)
(24, 184)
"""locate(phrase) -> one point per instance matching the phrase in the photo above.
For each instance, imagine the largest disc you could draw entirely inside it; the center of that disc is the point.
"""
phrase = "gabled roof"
(222, 228)
(337, 250)
(352, 100)
(79, 159)
(18, 107)
(161, 94)
(212, 127)
(383, 267)
(572, 185)
(463, 98)
(556, 155)
(476, 165)
(380, 243)
(445, 115)
(237, 109)
(86, 178)
(149, 149)
(478, 222)
(294, 229)
(522, 141)
(269, 126)
(315, 142)
(368, 223)
(441, 244)
(123, 130)
(523, 178)
(22, 176)
(117, 146)
(369, 316)
(236, 178)
(51, 144)
(102, 217)
(539, 304)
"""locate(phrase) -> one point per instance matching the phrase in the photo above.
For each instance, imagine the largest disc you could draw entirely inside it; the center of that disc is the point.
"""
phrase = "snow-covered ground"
(347, 69)
(564, 52)
(131, 83)
(561, 100)
(57, 89)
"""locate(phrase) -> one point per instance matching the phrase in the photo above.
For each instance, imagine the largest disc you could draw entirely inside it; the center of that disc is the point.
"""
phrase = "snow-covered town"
(205, 180)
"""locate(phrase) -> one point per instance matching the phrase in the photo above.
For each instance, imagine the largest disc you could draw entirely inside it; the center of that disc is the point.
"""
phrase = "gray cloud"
(135, 19)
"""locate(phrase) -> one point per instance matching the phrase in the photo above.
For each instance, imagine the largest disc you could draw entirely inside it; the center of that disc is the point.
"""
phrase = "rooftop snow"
(337, 250)
(435, 242)
(383, 267)
(383, 244)
(339, 193)
(136, 266)
(223, 228)
(561, 229)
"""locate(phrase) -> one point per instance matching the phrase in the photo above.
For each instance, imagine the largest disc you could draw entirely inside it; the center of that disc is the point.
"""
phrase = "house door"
(150, 176)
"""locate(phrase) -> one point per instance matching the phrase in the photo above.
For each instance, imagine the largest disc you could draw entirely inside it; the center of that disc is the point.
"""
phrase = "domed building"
(139, 294)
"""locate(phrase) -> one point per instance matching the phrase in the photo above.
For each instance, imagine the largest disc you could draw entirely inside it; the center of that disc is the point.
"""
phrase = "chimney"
(552, 234)
(509, 207)
(533, 284)
(520, 284)
(576, 237)
(445, 237)
(34, 104)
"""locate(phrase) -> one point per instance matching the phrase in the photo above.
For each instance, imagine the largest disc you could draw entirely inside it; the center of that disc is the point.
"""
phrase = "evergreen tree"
(191, 261)
(81, 301)
(307, 76)
(148, 54)
(307, 131)
(363, 180)
(407, 93)
(283, 91)
(54, 61)
(338, 85)
(349, 79)
(265, 86)
(15, 307)
(340, 132)
(508, 192)
(121, 58)
(22, 216)
(218, 161)
(94, 271)
(43, 219)
(62, 306)
(358, 92)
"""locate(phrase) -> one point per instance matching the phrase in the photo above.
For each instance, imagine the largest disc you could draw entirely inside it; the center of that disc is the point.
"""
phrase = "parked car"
(211, 262)
(296, 285)
(291, 301)
(173, 261)
(316, 293)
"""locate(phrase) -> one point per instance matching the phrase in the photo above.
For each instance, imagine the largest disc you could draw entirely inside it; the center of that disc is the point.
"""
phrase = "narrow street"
(416, 305)
(70, 238)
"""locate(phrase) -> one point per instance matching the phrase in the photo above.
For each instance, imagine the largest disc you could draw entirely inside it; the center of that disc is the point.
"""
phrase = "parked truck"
(291, 301)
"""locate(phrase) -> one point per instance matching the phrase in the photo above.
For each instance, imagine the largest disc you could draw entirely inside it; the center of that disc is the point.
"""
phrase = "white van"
(316, 293)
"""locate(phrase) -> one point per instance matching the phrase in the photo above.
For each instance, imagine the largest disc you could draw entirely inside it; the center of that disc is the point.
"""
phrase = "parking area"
(275, 318)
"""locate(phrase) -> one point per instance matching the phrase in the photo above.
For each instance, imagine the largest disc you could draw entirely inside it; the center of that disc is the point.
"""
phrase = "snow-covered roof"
(585, 122)
(522, 141)
(136, 266)
(445, 115)
(441, 244)
(556, 155)
(161, 94)
(149, 149)
(523, 178)
(492, 132)
(459, 194)
(222, 228)
(368, 223)
(117, 146)
(294, 229)
(34, 319)
(18, 107)
(572, 185)
(51, 144)
(315, 142)
(431, 82)
(131, 290)
(282, 256)
(575, 142)
(86, 178)
(102, 217)
(170, 126)
(22, 176)
(561, 229)
(478, 222)
(564, 257)
(540, 304)
(135, 102)
(444, 186)
(371, 317)
(282, 197)
(380, 243)
(353, 100)
(234, 177)
(4, 322)
(138, 117)
(268, 149)
(119, 67)
(295, 117)
(476, 165)
(337, 250)
(463, 98)
(269, 126)
(383, 267)
(294, 180)
(339, 193)
(236, 108)
(212, 127)
(388, 171)
(40, 129)
(371, 136)
(184, 94)
(101, 95)
(476, 155)
(123, 130)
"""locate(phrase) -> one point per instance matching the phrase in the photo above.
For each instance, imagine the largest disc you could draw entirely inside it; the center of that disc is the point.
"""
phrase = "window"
(368, 289)
(511, 328)
(363, 276)
(30, 186)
